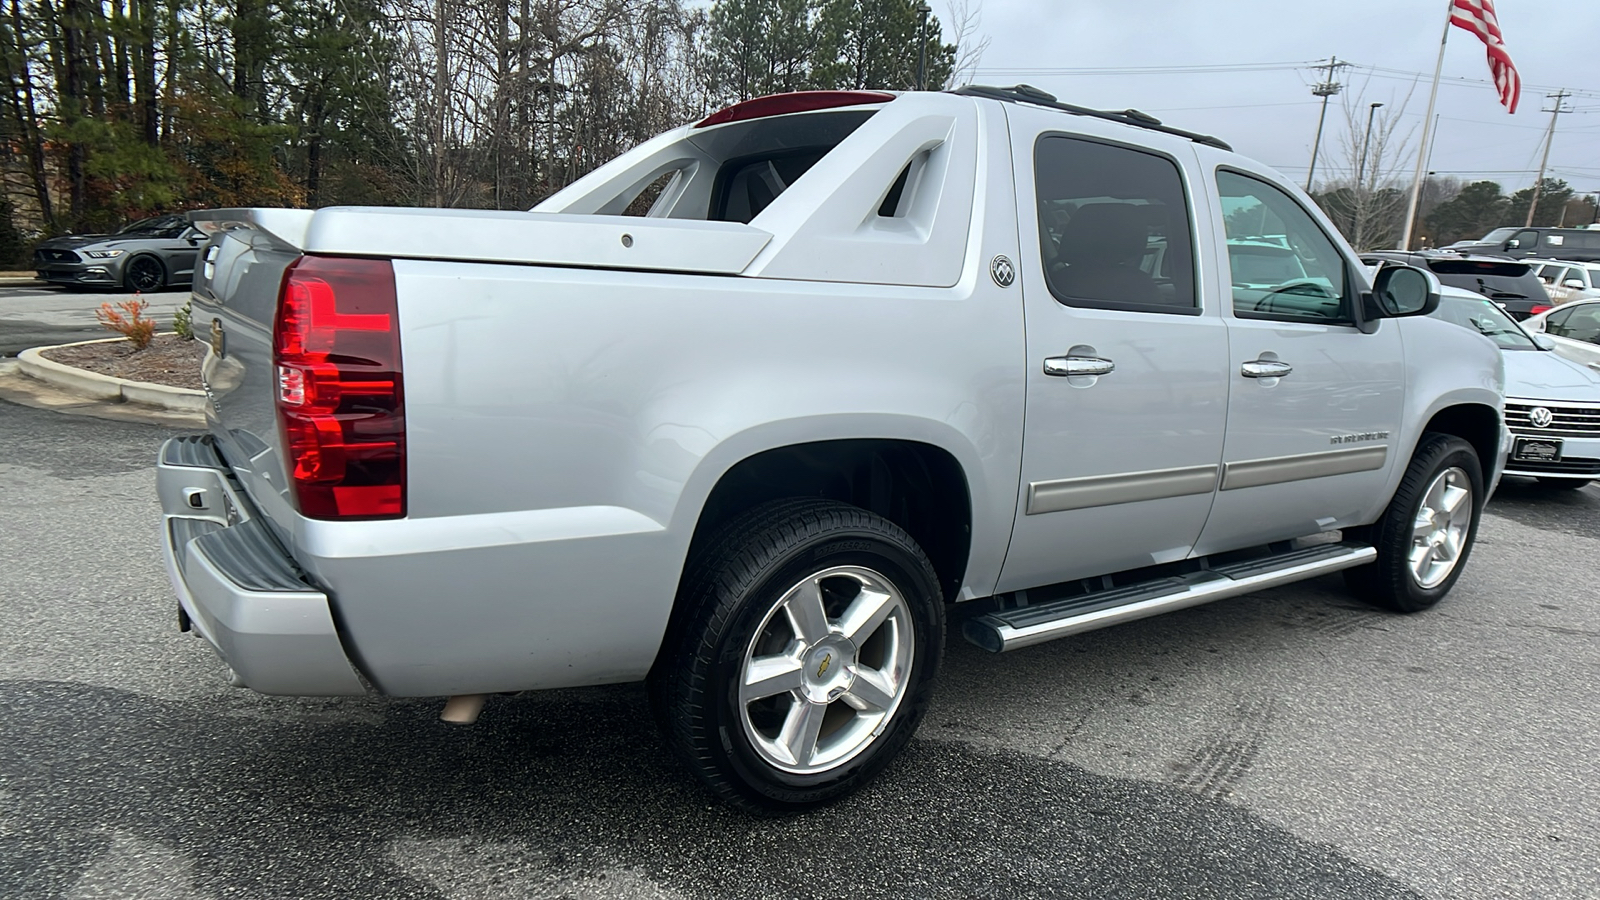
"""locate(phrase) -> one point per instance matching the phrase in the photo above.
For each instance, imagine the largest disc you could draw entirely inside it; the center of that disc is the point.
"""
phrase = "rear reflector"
(799, 101)
(341, 406)
(1538, 309)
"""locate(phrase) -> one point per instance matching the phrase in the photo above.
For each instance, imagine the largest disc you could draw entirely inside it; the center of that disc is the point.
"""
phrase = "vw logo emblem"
(1540, 417)
(1002, 271)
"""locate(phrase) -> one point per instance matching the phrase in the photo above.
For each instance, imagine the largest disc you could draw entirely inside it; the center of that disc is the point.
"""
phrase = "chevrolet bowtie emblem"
(826, 662)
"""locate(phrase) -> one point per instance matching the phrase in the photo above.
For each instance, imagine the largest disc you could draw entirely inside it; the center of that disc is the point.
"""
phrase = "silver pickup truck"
(868, 363)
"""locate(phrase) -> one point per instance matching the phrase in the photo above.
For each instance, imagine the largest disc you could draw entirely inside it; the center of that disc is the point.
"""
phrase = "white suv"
(1565, 280)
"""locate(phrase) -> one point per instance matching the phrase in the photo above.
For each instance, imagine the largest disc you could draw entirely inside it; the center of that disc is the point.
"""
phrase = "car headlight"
(103, 254)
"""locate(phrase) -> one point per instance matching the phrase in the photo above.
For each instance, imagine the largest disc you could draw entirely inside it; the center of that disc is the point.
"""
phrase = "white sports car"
(1574, 328)
(1552, 401)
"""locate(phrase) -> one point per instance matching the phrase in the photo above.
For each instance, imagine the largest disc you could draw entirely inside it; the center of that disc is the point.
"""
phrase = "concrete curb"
(95, 386)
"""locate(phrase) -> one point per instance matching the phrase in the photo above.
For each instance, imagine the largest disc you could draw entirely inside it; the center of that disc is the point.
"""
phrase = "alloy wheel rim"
(143, 274)
(826, 670)
(1439, 531)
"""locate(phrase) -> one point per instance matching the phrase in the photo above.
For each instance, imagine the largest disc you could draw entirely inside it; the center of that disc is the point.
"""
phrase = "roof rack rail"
(1027, 93)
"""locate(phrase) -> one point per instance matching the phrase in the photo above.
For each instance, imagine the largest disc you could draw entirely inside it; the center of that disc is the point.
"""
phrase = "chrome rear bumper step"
(1012, 629)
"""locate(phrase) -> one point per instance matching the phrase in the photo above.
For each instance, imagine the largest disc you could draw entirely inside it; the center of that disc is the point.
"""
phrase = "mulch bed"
(169, 360)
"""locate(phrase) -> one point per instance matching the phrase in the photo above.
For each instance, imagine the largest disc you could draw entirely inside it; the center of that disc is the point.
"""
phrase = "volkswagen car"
(147, 255)
(1552, 403)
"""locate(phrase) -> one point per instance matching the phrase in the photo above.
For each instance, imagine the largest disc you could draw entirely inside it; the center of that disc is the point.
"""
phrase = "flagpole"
(1422, 151)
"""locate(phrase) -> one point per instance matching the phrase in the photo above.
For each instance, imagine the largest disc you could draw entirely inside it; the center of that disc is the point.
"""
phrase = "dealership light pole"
(1361, 164)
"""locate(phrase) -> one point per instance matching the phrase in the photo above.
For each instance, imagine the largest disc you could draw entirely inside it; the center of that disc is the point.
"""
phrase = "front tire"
(1426, 533)
(812, 637)
(144, 274)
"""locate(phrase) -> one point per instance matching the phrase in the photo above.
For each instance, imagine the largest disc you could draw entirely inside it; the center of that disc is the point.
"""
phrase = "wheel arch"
(920, 486)
(1478, 425)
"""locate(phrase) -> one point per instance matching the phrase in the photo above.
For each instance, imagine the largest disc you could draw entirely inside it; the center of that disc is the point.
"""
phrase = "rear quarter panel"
(566, 426)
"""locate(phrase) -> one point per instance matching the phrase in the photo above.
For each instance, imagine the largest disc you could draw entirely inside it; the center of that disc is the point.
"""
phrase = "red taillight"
(799, 101)
(1538, 309)
(336, 357)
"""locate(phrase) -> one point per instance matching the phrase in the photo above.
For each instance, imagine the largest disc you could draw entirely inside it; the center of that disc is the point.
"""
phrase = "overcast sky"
(1269, 113)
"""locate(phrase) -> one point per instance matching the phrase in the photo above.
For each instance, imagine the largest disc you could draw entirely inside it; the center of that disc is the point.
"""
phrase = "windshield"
(1497, 235)
(160, 226)
(1254, 264)
(1486, 319)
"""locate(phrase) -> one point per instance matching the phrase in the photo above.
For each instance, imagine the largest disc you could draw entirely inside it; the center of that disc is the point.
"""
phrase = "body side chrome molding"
(1108, 490)
(1278, 469)
(1217, 588)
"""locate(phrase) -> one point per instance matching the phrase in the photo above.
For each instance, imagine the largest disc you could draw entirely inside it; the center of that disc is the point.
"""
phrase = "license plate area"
(1528, 449)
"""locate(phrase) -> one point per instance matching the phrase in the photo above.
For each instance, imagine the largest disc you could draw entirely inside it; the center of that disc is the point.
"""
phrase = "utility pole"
(1549, 138)
(1324, 89)
(922, 46)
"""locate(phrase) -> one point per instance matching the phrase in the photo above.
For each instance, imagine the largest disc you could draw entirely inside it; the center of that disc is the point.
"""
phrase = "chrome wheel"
(826, 669)
(144, 274)
(1439, 532)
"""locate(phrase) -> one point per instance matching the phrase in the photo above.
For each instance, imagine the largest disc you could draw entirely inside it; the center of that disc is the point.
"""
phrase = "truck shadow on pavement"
(570, 794)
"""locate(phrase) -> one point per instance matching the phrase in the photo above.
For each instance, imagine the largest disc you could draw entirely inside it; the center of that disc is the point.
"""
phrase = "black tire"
(145, 274)
(1563, 484)
(732, 603)
(1391, 581)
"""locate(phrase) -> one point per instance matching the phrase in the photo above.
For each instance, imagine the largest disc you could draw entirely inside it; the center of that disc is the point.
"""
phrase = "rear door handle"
(1265, 368)
(1071, 366)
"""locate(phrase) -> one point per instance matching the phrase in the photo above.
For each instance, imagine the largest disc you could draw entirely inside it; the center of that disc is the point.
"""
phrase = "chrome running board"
(1010, 629)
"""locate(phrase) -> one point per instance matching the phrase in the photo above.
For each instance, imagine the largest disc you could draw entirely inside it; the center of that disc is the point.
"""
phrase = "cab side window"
(1114, 227)
(1281, 264)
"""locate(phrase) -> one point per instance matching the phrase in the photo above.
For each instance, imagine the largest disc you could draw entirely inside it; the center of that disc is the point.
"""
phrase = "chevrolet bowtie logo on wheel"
(826, 662)
(1541, 417)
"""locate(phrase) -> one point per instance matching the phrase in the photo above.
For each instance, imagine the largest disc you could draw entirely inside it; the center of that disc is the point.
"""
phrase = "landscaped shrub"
(183, 322)
(129, 323)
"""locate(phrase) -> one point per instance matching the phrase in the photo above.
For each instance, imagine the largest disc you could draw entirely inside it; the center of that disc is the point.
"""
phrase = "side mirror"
(1574, 283)
(1401, 291)
(1513, 244)
(1543, 341)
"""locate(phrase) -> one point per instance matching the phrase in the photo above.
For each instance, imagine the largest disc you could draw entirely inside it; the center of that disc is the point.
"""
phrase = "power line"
(1462, 81)
(1224, 68)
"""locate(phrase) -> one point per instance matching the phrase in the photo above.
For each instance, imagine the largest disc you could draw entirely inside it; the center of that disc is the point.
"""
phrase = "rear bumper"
(239, 588)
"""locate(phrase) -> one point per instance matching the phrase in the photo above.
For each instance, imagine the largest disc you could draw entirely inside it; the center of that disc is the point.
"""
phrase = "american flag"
(1477, 16)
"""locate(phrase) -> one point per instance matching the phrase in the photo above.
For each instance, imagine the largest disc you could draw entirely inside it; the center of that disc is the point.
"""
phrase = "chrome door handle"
(1070, 366)
(1265, 368)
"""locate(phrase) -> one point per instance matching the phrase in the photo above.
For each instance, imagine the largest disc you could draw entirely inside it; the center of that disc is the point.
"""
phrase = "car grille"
(1564, 467)
(43, 257)
(1566, 419)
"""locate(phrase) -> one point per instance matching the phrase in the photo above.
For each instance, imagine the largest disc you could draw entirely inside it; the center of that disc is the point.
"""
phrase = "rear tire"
(811, 638)
(1426, 533)
(1563, 484)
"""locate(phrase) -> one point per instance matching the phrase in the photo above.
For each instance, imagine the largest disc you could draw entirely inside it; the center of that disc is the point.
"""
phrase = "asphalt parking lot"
(1287, 744)
(39, 315)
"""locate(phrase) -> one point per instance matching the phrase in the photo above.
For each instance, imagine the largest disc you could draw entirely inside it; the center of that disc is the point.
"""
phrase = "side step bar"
(1008, 630)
